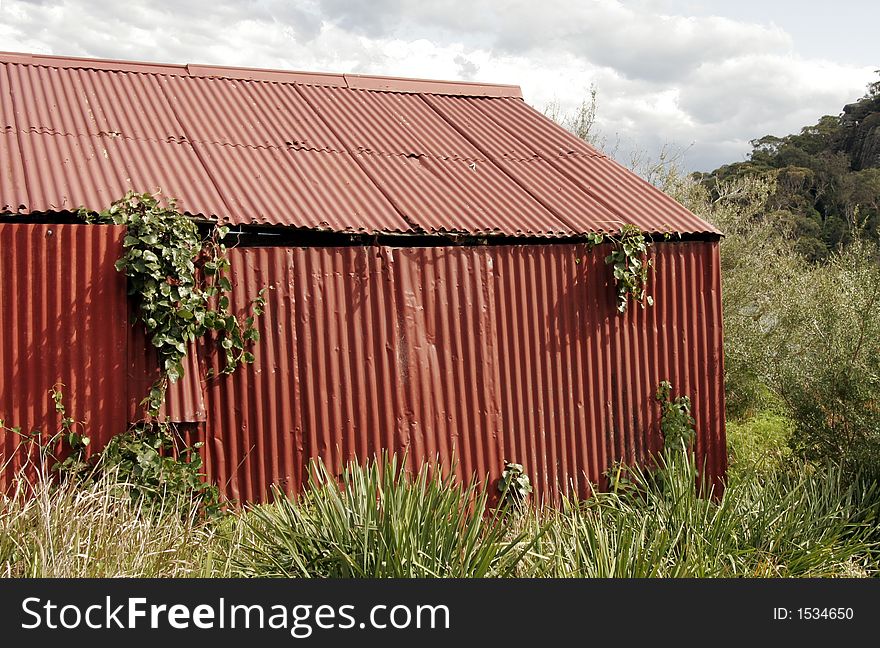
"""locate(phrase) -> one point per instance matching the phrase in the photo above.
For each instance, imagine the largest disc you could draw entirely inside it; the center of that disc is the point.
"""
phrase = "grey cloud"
(467, 69)
(640, 45)
(164, 30)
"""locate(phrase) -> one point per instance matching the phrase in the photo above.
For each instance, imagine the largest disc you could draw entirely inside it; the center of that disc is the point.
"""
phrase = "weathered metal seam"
(161, 83)
(363, 169)
(497, 162)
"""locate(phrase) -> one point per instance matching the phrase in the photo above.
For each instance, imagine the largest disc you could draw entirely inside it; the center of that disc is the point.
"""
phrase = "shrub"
(825, 358)
(758, 262)
(803, 334)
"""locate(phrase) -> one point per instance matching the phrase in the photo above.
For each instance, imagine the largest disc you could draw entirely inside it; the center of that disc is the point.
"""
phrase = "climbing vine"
(179, 281)
(630, 263)
(676, 421)
(76, 441)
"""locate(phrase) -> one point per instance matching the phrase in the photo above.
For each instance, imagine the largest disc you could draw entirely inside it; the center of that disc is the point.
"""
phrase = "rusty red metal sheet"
(255, 114)
(471, 354)
(12, 175)
(632, 198)
(577, 209)
(508, 128)
(64, 173)
(64, 317)
(483, 194)
(388, 123)
(91, 102)
(315, 189)
(588, 191)
(543, 136)
(282, 149)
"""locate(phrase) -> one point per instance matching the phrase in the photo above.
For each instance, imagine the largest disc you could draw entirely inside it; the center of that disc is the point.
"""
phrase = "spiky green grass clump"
(380, 522)
(810, 523)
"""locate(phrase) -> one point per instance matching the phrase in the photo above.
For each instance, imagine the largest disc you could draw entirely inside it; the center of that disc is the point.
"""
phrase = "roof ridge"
(377, 83)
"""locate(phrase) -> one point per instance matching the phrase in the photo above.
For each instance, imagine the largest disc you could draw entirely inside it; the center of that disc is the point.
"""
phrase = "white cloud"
(708, 81)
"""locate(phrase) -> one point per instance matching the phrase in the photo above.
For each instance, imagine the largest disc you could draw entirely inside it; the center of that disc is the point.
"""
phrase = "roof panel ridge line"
(497, 162)
(231, 212)
(18, 134)
(367, 174)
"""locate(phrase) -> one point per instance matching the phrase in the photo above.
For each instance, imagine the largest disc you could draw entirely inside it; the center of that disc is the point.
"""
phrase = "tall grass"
(378, 521)
(95, 529)
(817, 523)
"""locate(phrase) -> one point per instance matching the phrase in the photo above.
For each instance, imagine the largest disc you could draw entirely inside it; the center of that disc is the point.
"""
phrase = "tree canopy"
(827, 176)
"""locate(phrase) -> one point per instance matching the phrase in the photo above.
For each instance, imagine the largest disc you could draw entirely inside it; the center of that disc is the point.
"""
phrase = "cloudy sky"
(704, 77)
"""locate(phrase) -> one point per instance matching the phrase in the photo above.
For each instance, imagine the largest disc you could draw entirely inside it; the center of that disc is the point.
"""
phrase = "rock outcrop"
(861, 133)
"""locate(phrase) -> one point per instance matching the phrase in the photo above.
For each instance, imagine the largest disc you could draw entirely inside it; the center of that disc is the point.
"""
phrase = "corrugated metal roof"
(333, 152)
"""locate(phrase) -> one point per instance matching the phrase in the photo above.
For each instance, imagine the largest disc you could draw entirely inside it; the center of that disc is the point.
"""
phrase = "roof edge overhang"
(352, 81)
(287, 236)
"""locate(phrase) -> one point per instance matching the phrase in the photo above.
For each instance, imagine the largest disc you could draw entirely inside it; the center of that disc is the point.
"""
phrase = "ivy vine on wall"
(630, 262)
(676, 421)
(178, 279)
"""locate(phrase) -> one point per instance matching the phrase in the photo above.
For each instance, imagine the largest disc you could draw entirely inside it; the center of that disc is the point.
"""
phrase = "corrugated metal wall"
(477, 353)
(64, 320)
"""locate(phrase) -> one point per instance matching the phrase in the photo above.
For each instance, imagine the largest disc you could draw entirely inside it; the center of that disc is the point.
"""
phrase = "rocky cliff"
(860, 139)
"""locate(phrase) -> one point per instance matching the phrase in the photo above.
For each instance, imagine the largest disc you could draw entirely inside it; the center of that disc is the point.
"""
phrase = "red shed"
(424, 245)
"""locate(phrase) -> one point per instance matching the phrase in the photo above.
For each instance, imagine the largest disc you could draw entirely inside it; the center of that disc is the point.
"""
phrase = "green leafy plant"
(630, 262)
(676, 422)
(154, 463)
(149, 461)
(69, 439)
(75, 463)
(514, 484)
(179, 281)
(824, 347)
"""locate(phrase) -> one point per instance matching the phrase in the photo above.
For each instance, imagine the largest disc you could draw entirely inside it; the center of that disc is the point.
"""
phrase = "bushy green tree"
(825, 356)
